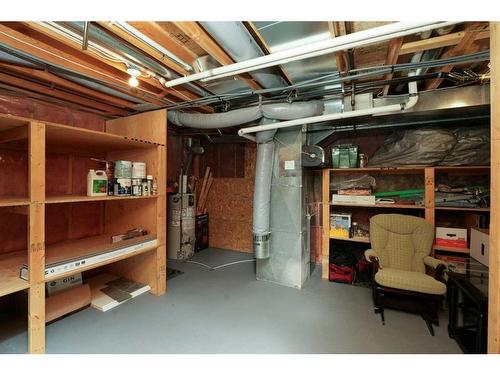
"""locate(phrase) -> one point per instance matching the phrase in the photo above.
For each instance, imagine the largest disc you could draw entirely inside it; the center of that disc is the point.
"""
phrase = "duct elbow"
(261, 244)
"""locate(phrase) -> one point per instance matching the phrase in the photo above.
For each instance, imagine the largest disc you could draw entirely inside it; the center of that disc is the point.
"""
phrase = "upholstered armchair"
(404, 275)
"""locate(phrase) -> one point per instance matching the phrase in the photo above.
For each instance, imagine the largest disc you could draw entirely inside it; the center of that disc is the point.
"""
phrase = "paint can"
(136, 186)
(123, 169)
(138, 169)
(123, 186)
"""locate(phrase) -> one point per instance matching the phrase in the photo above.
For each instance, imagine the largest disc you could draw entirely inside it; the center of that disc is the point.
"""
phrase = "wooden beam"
(325, 243)
(162, 36)
(439, 42)
(265, 47)
(391, 59)
(494, 245)
(194, 31)
(146, 48)
(467, 40)
(32, 86)
(67, 84)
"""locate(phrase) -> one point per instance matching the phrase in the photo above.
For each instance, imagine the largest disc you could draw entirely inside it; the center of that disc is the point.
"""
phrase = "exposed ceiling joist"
(265, 47)
(63, 95)
(467, 40)
(391, 59)
(144, 47)
(55, 53)
(340, 57)
(51, 55)
(205, 41)
(439, 42)
(67, 84)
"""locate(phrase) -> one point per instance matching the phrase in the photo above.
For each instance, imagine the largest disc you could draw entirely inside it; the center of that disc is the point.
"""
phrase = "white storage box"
(451, 237)
(479, 245)
(353, 199)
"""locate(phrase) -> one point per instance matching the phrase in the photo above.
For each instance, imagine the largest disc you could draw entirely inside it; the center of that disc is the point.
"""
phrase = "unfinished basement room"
(286, 186)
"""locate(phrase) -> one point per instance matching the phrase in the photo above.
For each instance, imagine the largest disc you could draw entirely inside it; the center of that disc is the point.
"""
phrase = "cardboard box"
(55, 286)
(451, 237)
(353, 199)
(340, 224)
(479, 245)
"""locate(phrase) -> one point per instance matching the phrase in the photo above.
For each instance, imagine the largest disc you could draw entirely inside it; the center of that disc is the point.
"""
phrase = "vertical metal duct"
(237, 41)
(262, 191)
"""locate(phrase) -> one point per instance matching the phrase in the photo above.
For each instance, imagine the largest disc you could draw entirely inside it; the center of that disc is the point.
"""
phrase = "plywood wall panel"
(85, 219)
(56, 222)
(57, 179)
(229, 205)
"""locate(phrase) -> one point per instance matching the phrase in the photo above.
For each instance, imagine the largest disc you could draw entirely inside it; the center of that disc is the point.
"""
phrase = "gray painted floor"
(228, 311)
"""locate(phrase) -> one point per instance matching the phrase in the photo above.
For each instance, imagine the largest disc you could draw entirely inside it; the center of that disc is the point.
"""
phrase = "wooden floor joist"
(391, 59)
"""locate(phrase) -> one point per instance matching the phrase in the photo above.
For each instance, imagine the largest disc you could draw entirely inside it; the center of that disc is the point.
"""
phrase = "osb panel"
(11, 224)
(14, 173)
(229, 204)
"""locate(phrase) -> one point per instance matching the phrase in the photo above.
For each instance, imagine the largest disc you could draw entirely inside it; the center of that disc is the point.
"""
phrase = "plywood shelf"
(84, 198)
(486, 209)
(379, 205)
(10, 122)
(452, 249)
(398, 170)
(71, 138)
(73, 249)
(10, 264)
(14, 201)
(353, 239)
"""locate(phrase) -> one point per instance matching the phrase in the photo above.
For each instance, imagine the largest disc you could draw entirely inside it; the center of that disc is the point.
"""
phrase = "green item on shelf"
(401, 193)
(345, 156)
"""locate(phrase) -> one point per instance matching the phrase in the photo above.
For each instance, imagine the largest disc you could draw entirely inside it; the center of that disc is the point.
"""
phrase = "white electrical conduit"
(358, 39)
(412, 100)
(245, 132)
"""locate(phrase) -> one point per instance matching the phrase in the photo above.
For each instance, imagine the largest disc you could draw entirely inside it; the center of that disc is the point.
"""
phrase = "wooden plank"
(13, 201)
(429, 197)
(10, 264)
(19, 82)
(325, 194)
(391, 59)
(466, 42)
(201, 37)
(36, 238)
(84, 198)
(340, 58)
(494, 257)
(149, 126)
(439, 42)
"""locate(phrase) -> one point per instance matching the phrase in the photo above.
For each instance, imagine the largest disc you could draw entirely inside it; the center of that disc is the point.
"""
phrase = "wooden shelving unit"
(429, 180)
(137, 138)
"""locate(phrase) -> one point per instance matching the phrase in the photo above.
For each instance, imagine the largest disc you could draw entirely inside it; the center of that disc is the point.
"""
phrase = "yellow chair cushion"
(408, 280)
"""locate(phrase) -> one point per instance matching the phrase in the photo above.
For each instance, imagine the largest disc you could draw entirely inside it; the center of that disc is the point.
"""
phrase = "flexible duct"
(262, 191)
(237, 41)
(278, 111)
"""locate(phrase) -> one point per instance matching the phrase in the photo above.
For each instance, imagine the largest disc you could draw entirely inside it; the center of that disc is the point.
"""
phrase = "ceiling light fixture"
(134, 73)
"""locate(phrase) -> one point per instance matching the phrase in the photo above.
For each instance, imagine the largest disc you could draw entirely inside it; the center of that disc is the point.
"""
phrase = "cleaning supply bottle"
(97, 183)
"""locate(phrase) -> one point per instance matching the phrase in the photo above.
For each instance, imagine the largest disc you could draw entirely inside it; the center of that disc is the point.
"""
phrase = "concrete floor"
(228, 311)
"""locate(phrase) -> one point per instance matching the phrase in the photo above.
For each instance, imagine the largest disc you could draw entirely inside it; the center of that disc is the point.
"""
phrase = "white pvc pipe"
(357, 39)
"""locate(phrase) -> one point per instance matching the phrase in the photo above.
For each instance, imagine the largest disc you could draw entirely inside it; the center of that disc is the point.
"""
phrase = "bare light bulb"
(133, 81)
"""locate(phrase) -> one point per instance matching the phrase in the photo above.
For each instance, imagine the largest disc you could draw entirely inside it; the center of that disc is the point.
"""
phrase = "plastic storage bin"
(345, 156)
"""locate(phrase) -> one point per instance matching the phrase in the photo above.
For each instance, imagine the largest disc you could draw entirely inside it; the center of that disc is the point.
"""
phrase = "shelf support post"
(429, 195)
(494, 257)
(36, 238)
(325, 248)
